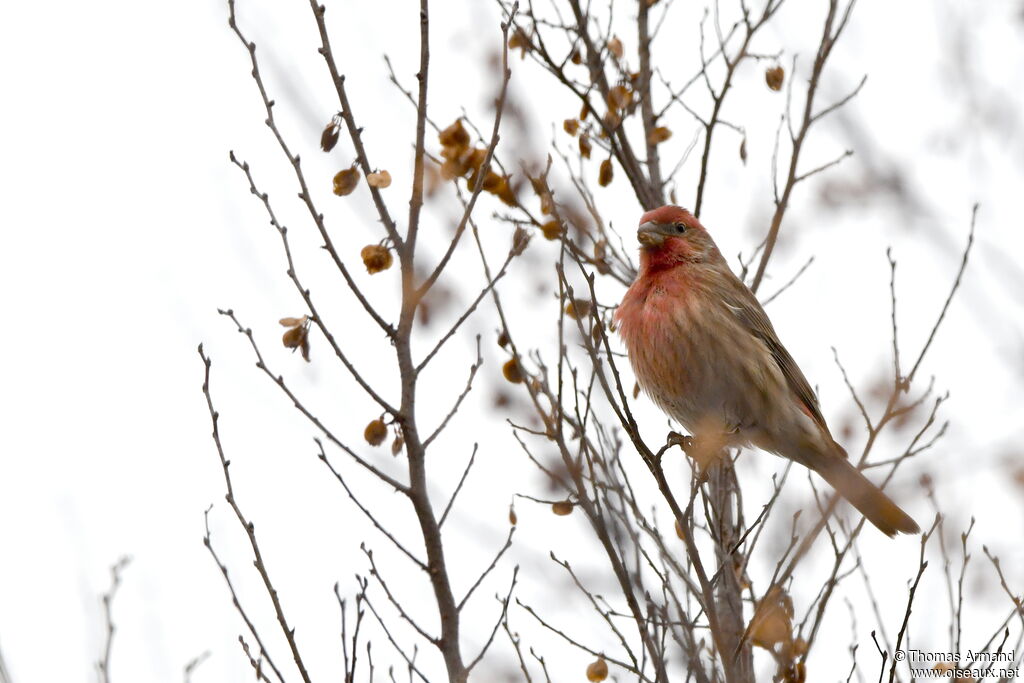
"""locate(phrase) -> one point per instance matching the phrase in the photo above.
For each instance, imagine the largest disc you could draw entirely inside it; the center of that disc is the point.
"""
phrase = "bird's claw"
(677, 439)
(682, 440)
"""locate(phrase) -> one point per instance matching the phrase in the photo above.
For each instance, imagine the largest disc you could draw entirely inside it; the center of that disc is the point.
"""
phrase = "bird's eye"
(680, 228)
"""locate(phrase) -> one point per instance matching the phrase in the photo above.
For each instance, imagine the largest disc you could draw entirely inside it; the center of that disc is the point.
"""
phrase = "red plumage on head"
(671, 214)
(673, 251)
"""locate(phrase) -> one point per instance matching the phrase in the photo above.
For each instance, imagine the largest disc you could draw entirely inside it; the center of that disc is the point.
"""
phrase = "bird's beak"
(649, 235)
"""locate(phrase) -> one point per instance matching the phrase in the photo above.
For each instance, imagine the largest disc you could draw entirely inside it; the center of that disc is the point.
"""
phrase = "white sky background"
(125, 227)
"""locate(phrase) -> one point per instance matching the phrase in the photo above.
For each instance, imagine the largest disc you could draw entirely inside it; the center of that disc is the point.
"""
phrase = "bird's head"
(671, 235)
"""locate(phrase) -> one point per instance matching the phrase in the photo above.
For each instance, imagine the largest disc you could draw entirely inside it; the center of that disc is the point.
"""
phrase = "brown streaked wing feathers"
(752, 315)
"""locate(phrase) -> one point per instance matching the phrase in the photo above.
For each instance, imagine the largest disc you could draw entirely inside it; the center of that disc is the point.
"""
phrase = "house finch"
(705, 352)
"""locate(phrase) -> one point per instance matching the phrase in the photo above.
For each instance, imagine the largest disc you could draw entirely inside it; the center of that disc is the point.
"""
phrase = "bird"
(704, 351)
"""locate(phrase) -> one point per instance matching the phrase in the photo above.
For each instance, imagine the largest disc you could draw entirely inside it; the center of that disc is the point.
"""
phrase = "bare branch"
(108, 616)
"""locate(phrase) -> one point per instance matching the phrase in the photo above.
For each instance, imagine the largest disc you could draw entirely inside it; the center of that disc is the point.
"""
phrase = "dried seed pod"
(585, 146)
(659, 135)
(562, 507)
(636, 390)
(743, 150)
(512, 519)
(475, 158)
(453, 153)
(598, 670)
(454, 136)
(512, 372)
(547, 204)
(552, 230)
(520, 40)
(503, 339)
(520, 240)
(679, 531)
(619, 97)
(452, 169)
(772, 620)
(378, 179)
(492, 182)
(612, 119)
(774, 77)
(397, 445)
(578, 308)
(376, 258)
(604, 176)
(576, 57)
(295, 337)
(329, 138)
(505, 193)
(345, 181)
(539, 185)
(292, 322)
(571, 126)
(375, 433)
(615, 47)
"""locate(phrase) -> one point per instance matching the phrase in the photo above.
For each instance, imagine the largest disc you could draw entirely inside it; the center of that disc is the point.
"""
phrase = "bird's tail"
(865, 496)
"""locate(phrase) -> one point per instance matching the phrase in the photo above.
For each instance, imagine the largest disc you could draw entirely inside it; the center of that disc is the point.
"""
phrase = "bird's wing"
(750, 313)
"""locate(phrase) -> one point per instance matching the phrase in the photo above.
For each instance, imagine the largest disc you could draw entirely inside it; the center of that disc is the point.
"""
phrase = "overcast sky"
(125, 227)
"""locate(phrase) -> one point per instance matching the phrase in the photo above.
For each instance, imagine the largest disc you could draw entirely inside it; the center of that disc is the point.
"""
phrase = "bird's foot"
(682, 440)
(675, 439)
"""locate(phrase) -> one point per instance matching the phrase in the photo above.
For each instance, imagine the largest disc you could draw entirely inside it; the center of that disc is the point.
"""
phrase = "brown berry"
(659, 135)
(604, 176)
(552, 230)
(346, 181)
(579, 308)
(329, 138)
(585, 146)
(512, 372)
(562, 507)
(376, 258)
(378, 179)
(375, 433)
(598, 670)
(774, 77)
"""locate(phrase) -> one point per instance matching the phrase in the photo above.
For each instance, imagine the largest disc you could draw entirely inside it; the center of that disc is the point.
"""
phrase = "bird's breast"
(654, 321)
